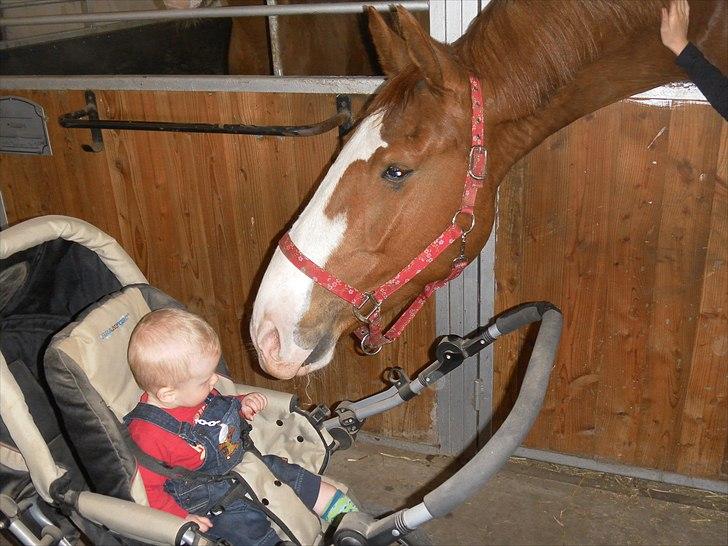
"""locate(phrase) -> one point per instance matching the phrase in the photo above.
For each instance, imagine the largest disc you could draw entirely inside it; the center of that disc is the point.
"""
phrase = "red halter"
(370, 332)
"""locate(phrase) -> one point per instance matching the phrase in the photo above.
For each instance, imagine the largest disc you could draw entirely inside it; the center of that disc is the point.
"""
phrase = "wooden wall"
(620, 220)
(201, 214)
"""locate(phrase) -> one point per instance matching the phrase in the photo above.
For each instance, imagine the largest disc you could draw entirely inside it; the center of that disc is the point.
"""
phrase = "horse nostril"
(269, 341)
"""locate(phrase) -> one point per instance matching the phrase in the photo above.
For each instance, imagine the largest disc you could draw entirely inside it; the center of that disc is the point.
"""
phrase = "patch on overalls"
(227, 445)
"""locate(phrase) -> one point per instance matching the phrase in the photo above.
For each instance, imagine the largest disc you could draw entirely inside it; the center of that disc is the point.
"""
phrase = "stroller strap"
(158, 467)
(158, 417)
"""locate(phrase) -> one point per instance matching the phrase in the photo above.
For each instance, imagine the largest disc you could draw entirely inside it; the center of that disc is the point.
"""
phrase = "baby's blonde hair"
(165, 343)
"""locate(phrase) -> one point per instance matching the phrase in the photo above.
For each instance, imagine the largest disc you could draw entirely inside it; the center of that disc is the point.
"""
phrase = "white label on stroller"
(106, 334)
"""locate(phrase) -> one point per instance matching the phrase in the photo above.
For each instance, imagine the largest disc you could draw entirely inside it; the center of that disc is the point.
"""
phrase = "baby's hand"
(252, 403)
(202, 521)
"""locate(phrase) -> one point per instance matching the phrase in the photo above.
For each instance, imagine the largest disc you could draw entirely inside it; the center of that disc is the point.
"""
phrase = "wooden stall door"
(620, 220)
(201, 215)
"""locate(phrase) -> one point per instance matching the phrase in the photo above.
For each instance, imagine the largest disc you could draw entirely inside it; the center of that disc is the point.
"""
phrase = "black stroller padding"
(48, 426)
(62, 278)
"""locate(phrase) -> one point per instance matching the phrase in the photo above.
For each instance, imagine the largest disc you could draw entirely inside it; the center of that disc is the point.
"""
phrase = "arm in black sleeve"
(711, 82)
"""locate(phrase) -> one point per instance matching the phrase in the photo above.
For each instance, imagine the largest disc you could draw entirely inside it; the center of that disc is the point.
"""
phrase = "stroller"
(69, 299)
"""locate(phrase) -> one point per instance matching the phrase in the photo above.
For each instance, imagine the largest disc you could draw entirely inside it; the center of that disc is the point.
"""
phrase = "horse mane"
(532, 47)
(396, 93)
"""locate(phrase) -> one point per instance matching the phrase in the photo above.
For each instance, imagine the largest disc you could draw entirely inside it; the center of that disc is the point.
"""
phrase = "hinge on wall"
(478, 394)
(91, 112)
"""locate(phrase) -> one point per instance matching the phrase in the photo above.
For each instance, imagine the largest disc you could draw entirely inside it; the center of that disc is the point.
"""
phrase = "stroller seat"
(88, 373)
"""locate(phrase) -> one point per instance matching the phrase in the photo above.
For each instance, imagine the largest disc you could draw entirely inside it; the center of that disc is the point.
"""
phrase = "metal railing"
(198, 13)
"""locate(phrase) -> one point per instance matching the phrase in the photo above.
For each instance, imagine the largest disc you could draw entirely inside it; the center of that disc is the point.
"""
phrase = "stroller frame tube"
(357, 529)
(50, 534)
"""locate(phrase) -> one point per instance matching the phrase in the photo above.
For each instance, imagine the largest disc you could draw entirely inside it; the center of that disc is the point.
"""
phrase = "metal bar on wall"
(30, 3)
(361, 85)
(3, 213)
(623, 470)
(73, 121)
(199, 13)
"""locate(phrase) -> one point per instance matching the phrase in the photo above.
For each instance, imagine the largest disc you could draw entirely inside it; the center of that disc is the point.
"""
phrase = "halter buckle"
(366, 348)
(365, 318)
(473, 161)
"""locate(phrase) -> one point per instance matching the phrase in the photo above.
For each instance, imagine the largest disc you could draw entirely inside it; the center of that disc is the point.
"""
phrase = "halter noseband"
(367, 305)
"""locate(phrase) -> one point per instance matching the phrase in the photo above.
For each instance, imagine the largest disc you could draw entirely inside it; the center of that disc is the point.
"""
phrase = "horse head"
(393, 189)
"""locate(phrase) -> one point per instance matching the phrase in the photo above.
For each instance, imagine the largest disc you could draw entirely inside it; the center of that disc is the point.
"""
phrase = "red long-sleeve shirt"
(168, 448)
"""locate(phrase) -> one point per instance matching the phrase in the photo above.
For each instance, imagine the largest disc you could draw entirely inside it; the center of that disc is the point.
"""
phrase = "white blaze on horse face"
(285, 292)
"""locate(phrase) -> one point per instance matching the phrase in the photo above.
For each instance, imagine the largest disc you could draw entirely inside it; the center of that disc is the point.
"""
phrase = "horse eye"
(395, 174)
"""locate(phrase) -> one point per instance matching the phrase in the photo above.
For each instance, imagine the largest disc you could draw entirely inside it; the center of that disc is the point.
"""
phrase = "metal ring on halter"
(472, 221)
(361, 317)
(365, 348)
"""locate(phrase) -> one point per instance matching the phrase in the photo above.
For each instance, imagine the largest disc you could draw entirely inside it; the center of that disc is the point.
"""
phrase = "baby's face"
(202, 379)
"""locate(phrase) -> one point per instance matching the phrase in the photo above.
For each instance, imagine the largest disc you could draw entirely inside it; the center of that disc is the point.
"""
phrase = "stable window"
(205, 37)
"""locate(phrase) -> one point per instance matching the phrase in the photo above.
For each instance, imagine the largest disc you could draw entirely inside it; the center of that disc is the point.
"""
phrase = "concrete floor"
(529, 502)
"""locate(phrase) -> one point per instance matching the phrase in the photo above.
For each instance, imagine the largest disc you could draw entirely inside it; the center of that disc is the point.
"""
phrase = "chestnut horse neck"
(545, 72)
(371, 335)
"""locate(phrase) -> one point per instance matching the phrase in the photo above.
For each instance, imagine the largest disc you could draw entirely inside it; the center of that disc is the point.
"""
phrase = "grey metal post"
(275, 42)
(465, 303)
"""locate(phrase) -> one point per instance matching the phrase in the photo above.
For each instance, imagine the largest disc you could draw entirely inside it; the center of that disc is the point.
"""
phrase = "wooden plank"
(583, 223)
(201, 215)
(509, 279)
(633, 251)
(704, 427)
(639, 159)
(682, 236)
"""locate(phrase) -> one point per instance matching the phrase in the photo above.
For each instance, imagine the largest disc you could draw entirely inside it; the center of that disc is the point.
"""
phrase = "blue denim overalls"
(224, 434)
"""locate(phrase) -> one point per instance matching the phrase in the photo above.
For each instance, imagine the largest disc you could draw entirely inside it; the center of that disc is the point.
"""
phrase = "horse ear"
(424, 51)
(391, 49)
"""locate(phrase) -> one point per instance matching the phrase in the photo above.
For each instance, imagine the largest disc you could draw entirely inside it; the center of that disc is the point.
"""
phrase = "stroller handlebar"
(359, 529)
(494, 454)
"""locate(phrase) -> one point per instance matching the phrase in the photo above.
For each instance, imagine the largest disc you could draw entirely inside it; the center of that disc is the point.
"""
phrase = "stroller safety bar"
(360, 529)
(136, 521)
(451, 351)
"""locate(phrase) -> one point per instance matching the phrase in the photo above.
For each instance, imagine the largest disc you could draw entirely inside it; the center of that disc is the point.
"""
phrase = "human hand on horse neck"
(674, 27)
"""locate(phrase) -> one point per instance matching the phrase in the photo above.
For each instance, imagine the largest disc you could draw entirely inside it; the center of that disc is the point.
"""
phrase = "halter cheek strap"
(367, 305)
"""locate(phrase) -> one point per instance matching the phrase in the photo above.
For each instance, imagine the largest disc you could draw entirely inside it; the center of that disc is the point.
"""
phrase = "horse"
(413, 174)
(309, 45)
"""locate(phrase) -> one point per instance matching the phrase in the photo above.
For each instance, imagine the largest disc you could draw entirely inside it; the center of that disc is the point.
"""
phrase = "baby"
(182, 421)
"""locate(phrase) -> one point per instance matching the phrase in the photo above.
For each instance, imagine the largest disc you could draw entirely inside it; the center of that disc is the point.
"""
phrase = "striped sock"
(339, 504)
